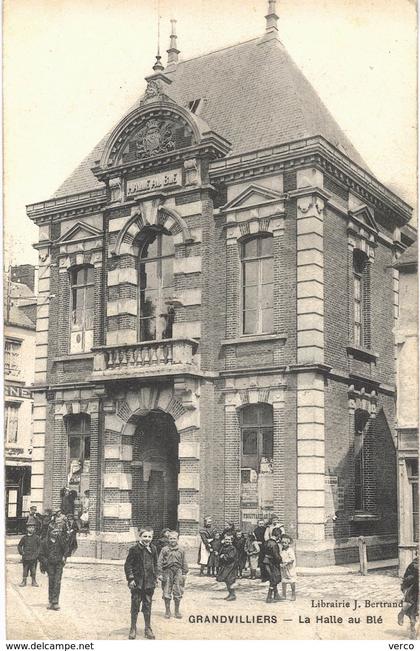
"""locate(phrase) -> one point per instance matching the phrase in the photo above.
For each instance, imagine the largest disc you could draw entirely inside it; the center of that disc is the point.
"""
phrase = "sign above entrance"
(172, 179)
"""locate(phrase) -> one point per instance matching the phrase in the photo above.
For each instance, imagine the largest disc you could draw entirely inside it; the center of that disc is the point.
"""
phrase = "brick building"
(219, 334)
(19, 362)
(407, 420)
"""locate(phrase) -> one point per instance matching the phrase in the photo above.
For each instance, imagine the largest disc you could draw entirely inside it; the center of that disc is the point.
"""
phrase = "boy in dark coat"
(228, 566)
(271, 562)
(172, 570)
(52, 557)
(239, 543)
(29, 547)
(141, 574)
(213, 562)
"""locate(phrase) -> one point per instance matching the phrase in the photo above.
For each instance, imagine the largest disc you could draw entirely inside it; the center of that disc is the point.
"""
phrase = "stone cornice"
(212, 146)
(70, 206)
(315, 152)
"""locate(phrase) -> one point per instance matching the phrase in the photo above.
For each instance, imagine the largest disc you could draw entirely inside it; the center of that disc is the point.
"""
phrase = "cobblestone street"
(95, 604)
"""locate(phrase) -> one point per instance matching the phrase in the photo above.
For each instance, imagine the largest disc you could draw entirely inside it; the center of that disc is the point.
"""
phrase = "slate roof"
(256, 97)
(18, 312)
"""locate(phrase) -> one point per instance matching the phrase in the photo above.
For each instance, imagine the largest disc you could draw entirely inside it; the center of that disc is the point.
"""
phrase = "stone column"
(310, 350)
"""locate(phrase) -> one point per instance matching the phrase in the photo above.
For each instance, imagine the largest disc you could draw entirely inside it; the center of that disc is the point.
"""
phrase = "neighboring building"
(19, 363)
(408, 406)
(215, 330)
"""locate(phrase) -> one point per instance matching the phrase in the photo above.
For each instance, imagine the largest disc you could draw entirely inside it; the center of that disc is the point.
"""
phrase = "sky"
(72, 68)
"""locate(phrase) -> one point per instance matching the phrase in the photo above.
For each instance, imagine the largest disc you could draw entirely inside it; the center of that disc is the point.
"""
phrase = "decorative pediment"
(362, 230)
(151, 130)
(364, 216)
(80, 231)
(254, 195)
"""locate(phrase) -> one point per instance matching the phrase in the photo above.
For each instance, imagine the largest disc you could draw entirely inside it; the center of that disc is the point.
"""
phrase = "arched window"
(361, 424)
(78, 457)
(257, 285)
(82, 308)
(360, 306)
(256, 422)
(156, 285)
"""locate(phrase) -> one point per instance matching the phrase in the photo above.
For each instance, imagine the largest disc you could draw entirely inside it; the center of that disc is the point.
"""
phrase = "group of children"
(268, 548)
(145, 566)
(49, 539)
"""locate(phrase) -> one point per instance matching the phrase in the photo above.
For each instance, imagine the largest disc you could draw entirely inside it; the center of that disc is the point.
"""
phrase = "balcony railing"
(168, 357)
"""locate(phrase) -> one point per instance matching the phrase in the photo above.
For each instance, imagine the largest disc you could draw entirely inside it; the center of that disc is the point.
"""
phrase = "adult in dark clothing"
(73, 531)
(141, 574)
(410, 589)
(52, 557)
(271, 563)
(34, 518)
(68, 498)
(240, 542)
(228, 566)
(46, 519)
(28, 547)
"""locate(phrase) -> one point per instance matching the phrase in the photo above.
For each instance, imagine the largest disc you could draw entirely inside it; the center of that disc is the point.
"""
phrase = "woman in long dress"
(204, 551)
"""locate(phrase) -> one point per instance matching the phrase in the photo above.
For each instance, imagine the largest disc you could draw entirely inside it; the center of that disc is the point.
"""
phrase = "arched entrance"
(155, 468)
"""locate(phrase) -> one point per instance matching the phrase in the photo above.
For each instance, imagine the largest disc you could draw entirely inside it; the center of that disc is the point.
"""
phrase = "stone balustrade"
(167, 356)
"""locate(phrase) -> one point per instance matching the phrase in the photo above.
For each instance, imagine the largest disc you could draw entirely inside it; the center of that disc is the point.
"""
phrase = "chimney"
(271, 19)
(173, 51)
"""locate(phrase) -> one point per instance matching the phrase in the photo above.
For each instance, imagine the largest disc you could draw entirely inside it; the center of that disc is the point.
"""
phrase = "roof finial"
(158, 65)
(271, 18)
(173, 51)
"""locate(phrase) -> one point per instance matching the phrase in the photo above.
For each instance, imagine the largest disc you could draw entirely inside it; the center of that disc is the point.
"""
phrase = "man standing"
(52, 557)
(141, 574)
(204, 551)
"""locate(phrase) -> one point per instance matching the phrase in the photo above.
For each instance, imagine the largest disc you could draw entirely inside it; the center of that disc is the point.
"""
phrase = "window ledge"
(359, 352)
(246, 339)
(365, 517)
(73, 356)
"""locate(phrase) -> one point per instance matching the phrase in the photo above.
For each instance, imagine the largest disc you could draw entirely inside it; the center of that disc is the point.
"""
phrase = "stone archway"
(155, 464)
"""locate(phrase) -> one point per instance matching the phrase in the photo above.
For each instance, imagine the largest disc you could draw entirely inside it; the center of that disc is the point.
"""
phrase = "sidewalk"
(328, 570)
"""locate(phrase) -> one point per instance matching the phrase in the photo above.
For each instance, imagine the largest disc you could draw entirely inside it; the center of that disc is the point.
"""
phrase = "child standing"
(240, 543)
(271, 564)
(141, 573)
(228, 566)
(252, 549)
(29, 547)
(172, 570)
(288, 566)
(213, 562)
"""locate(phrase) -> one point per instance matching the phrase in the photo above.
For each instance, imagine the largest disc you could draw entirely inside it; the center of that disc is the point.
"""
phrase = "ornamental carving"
(156, 135)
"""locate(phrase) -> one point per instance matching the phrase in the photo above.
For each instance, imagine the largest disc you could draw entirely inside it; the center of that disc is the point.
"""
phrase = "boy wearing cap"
(141, 573)
(29, 547)
(172, 570)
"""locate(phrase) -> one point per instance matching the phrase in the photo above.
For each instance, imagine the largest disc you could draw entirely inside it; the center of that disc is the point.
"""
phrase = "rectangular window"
(413, 479)
(12, 350)
(357, 284)
(257, 286)
(12, 421)
(82, 309)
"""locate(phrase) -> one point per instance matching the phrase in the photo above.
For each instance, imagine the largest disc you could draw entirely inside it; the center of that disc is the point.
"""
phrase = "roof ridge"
(220, 49)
